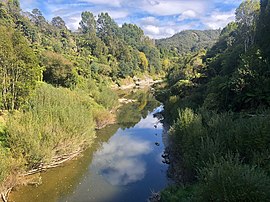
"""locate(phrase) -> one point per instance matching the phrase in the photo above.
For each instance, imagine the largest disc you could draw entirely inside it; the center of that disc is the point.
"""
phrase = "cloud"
(118, 158)
(218, 19)
(158, 18)
(151, 29)
(189, 14)
(115, 3)
(172, 7)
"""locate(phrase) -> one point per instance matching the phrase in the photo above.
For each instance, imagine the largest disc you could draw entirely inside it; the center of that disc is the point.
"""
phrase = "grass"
(228, 153)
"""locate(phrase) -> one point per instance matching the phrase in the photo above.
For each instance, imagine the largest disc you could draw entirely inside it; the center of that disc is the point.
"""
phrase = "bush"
(58, 122)
(201, 137)
(187, 134)
(177, 193)
(230, 180)
(4, 163)
(102, 94)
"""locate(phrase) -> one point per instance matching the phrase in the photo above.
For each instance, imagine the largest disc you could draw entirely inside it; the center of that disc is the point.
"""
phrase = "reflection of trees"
(130, 114)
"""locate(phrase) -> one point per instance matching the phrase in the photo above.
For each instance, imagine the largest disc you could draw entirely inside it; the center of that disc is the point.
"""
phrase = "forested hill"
(190, 40)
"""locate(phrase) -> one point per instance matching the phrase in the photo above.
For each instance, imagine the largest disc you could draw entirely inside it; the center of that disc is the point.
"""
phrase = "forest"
(217, 102)
(216, 96)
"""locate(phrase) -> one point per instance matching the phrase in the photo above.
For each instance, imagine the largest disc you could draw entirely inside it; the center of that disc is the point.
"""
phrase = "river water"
(124, 165)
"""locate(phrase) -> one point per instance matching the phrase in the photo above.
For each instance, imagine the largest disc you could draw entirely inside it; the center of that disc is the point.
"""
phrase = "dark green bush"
(230, 180)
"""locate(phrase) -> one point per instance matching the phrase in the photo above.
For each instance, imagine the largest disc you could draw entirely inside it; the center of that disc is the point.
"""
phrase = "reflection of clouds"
(150, 121)
(119, 160)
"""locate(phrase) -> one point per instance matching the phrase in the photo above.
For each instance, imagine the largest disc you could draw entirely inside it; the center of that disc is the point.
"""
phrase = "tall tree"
(132, 34)
(19, 69)
(59, 23)
(88, 23)
(107, 28)
(246, 17)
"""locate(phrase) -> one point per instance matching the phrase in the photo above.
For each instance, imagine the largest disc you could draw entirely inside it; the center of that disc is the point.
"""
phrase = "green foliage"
(189, 41)
(19, 69)
(101, 93)
(59, 23)
(88, 23)
(51, 127)
(132, 35)
(202, 137)
(4, 163)
(59, 71)
(227, 179)
(177, 193)
(230, 180)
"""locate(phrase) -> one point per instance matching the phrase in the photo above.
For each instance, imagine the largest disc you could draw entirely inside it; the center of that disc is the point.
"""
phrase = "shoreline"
(57, 161)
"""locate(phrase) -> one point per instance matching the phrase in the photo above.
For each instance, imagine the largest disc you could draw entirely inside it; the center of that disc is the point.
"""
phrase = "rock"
(155, 197)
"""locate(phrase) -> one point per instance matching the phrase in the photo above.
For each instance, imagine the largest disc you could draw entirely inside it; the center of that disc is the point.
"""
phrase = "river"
(124, 164)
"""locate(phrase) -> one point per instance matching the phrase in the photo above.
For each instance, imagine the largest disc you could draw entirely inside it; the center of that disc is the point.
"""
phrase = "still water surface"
(124, 165)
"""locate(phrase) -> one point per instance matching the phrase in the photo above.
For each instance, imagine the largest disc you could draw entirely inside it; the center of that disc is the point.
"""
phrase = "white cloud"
(189, 14)
(150, 20)
(116, 3)
(118, 158)
(173, 7)
(151, 29)
(218, 19)
(73, 21)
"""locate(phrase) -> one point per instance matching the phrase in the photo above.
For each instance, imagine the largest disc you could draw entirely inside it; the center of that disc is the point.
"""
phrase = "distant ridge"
(190, 40)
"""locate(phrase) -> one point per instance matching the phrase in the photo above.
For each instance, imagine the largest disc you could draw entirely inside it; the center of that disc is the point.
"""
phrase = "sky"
(158, 18)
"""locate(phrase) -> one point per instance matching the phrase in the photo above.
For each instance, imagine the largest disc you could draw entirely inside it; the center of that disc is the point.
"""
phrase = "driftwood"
(4, 195)
(57, 161)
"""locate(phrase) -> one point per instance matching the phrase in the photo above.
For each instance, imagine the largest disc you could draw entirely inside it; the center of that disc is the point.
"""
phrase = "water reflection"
(120, 161)
(131, 114)
(123, 165)
(118, 158)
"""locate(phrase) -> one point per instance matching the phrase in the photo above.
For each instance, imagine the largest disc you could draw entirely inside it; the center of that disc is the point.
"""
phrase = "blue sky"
(158, 18)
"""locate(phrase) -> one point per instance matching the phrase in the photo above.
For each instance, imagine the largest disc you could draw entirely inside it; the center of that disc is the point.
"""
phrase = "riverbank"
(136, 82)
(56, 127)
(229, 147)
(19, 178)
(132, 140)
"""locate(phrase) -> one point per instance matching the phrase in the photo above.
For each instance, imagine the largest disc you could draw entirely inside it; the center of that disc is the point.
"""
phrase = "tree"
(19, 69)
(59, 23)
(38, 19)
(132, 35)
(153, 57)
(107, 28)
(88, 23)
(246, 17)
(59, 71)
(263, 36)
(3, 11)
(143, 61)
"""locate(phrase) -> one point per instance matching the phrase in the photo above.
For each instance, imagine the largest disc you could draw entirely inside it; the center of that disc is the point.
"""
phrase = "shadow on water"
(124, 164)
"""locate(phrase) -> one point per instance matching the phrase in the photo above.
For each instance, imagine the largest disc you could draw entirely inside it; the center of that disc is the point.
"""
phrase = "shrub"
(187, 133)
(4, 163)
(58, 122)
(230, 180)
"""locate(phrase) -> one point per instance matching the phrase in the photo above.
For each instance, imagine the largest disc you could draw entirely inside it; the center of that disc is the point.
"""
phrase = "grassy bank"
(220, 156)
(56, 124)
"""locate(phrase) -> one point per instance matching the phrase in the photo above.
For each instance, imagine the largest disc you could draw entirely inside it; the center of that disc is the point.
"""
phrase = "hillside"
(190, 40)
